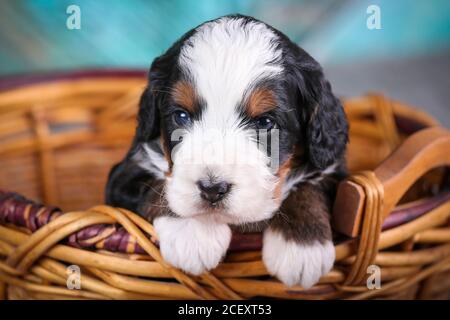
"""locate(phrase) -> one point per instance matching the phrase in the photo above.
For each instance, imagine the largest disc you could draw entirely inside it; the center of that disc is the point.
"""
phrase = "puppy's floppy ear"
(148, 117)
(161, 70)
(321, 113)
(127, 181)
(327, 129)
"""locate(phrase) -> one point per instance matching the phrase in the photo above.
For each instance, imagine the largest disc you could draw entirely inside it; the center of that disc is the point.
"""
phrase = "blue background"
(121, 33)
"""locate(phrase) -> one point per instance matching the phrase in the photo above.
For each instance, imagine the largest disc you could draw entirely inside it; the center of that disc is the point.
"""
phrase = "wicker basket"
(60, 135)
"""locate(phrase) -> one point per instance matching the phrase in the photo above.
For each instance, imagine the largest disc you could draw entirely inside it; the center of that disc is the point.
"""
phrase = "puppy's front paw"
(191, 244)
(296, 263)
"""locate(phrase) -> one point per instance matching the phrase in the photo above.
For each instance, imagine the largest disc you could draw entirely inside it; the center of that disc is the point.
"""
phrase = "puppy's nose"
(213, 191)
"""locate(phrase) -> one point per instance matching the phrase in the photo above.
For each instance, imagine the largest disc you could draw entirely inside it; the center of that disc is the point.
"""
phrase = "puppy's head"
(242, 115)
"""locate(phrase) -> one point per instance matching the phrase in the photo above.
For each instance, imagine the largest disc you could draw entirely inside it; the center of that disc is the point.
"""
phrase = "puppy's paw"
(295, 263)
(192, 244)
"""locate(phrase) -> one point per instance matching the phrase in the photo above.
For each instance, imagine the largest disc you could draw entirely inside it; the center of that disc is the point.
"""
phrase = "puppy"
(196, 167)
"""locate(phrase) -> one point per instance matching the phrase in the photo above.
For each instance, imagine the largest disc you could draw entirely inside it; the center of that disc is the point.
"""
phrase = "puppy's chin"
(222, 215)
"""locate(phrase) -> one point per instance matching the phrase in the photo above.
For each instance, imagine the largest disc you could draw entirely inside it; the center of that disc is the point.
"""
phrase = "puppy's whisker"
(283, 216)
(156, 191)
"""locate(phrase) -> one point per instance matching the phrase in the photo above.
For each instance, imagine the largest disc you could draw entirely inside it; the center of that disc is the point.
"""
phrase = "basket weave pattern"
(59, 138)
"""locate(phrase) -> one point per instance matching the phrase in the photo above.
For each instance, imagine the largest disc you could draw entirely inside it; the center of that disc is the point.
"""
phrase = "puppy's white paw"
(194, 245)
(295, 263)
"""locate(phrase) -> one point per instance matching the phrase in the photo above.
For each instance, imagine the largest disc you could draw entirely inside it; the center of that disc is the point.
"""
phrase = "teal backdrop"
(119, 33)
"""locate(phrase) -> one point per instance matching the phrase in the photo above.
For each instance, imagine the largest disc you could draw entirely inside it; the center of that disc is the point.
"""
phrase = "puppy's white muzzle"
(228, 156)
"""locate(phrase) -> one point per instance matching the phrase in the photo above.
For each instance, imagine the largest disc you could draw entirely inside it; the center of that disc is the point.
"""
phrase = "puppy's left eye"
(265, 123)
(182, 118)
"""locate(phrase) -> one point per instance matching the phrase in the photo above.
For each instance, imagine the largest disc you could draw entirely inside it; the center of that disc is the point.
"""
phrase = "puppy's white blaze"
(192, 244)
(225, 57)
(294, 263)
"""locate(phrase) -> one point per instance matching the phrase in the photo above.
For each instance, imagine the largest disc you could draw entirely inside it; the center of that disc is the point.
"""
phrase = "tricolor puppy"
(238, 128)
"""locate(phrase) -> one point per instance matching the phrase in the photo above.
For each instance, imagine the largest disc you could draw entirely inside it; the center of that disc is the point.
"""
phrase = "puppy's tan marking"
(260, 101)
(166, 153)
(282, 174)
(184, 94)
(293, 161)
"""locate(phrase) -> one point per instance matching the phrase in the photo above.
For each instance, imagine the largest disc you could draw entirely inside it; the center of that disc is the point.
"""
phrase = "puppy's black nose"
(213, 191)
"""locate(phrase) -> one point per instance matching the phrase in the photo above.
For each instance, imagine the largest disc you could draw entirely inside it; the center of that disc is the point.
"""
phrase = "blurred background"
(408, 58)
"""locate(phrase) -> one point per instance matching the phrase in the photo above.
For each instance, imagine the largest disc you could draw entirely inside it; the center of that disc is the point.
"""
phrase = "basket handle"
(418, 154)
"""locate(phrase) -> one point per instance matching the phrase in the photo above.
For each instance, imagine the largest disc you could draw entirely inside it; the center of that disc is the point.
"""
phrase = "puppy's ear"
(149, 113)
(327, 128)
(148, 117)
(163, 68)
(320, 112)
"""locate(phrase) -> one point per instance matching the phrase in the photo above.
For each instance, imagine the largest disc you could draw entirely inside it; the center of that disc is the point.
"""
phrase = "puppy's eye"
(182, 118)
(265, 123)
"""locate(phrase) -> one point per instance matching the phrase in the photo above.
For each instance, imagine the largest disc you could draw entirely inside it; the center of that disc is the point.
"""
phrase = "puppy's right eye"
(182, 118)
(265, 123)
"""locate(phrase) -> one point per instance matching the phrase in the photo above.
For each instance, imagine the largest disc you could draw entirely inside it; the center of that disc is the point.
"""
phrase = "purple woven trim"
(404, 215)
(16, 209)
(408, 126)
(113, 242)
(16, 81)
(19, 211)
